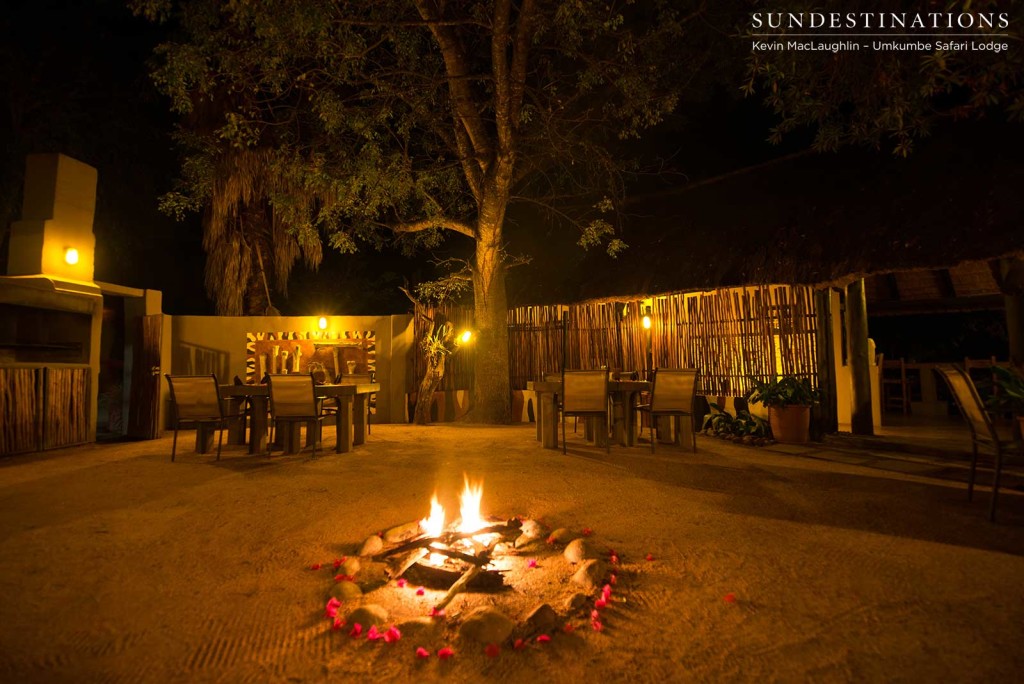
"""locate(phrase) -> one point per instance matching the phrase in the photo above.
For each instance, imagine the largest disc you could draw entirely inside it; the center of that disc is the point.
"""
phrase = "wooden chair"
(585, 393)
(293, 402)
(196, 399)
(893, 386)
(673, 393)
(983, 432)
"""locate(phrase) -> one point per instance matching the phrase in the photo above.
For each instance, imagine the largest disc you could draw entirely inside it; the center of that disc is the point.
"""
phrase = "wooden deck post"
(861, 420)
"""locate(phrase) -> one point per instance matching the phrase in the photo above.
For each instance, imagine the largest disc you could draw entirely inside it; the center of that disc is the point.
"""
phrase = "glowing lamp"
(466, 336)
(322, 323)
(647, 322)
(70, 256)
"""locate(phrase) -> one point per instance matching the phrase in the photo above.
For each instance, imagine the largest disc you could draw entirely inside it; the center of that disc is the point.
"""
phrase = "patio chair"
(673, 392)
(293, 400)
(196, 399)
(354, 379)
(894, 387)
(585, 393)
(984, 433)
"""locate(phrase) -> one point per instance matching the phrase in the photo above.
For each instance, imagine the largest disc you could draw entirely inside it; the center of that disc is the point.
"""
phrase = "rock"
(421, 628)
(486, 626)
(346, 590)
(562, 535)
(542, 619)
(370, 614)
(591, 575)
(579, 550)
(350, 567)
(531, 529)
(372, 575)
(748, 439)
(402, 533)
(372, 546)
(576, 602)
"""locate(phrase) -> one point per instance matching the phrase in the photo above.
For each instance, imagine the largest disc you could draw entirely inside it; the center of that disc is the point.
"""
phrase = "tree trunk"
(861, 419)
(492, 398)
(425, 395)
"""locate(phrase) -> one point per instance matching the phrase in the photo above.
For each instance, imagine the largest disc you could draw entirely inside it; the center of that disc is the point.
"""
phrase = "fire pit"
(515, 558)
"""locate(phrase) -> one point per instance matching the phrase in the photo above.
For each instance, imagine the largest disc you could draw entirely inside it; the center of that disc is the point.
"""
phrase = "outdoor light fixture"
(322, 323)
(466, 336)
(647, 321)
(70, 256)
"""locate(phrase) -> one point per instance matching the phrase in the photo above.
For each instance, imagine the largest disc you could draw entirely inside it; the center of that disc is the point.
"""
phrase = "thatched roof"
(813, 219)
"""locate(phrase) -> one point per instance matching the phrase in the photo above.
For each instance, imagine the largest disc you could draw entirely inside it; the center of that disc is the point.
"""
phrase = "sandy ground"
(117, 565)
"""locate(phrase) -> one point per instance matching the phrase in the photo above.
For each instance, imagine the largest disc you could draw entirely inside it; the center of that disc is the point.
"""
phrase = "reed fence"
(43, 408)
(731, 336)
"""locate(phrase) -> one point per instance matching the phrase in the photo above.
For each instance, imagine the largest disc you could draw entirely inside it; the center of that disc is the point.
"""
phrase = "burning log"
(463, 582)
(441, 578)
(507, 530)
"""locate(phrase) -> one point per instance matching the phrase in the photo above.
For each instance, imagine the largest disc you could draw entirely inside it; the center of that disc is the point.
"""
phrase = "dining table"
(352, 401)
(623, 394)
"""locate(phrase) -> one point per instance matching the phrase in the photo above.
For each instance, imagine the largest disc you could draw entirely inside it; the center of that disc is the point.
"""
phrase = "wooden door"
(144, 410)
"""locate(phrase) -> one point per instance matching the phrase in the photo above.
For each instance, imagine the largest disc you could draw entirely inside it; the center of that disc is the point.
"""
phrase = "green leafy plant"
(1008, 396)
(788, 390)
(742, 424)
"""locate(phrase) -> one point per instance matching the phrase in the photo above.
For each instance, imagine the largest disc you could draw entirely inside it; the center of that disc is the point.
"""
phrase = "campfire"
(464, 555)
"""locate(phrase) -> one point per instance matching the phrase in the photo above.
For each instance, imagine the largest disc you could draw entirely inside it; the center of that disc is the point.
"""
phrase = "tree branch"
(427, 224)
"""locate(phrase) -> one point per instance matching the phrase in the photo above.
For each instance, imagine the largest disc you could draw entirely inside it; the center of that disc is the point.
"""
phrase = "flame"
(469, 507)
(434, 527)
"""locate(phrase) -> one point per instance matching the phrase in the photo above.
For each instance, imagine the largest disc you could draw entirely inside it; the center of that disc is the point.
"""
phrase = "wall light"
(647, 322)
(466, 336)
(322, 323)
(70, 256)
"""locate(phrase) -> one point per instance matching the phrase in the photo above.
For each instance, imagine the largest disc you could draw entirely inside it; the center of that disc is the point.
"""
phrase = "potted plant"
(789, 400)
(1008, 396)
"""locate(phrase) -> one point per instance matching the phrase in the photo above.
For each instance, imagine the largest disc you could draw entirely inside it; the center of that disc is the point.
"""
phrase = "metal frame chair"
(585, 393)
(196, 399)
(293, 400)
(673, 393)
(983, 432)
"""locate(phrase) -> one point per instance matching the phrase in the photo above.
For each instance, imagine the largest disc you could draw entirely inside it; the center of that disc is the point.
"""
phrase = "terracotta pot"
(790, 424)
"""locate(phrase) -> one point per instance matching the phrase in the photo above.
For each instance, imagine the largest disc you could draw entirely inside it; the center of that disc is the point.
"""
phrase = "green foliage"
(1008, 396)
(742, 424)
(353, 103)
(888, 99)
(785, 391)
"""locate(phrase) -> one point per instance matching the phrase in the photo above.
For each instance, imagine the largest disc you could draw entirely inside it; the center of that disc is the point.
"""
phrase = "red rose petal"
(315, 566)
(338, 562)
(532, 563)
(650, 556)
(613, 579)
(492, 650)
(374, 634)
(543, 639)
(596, 625)
(420, 591)
(422, 652)
(401, 582)
(338, 624)
(568, 627)
(551, 540)
(601, 603)
(392, 635)
(519, 644)
(587, 531)
(445, 653)
(595, 615)
(434, 612)
(729, 598)
(356, 630)
(614, 559)
(606, 590)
